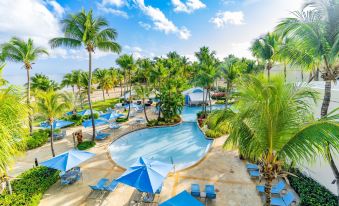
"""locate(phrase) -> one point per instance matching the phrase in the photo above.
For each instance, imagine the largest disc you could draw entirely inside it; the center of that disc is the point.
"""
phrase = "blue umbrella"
(182, 199)
(68, 160)
(146, 175)
(57, 124)
(86, 112)
(110, 115)
(97, 122)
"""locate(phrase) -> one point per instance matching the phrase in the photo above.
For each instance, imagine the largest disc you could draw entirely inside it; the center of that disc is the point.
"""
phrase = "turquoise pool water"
(182, 145)
(189, 114)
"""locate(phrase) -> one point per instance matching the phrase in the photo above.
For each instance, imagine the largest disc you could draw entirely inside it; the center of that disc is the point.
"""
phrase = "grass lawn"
(103, 105)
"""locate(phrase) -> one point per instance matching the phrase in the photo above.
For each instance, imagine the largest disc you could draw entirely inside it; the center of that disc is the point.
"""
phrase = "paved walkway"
(222, 168)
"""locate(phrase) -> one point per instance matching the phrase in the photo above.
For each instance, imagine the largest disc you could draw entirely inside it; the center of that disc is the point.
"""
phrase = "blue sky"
(146, 28)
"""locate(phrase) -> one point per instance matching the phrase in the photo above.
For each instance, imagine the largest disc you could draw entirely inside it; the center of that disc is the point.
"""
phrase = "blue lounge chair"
(100, 185)
(286, 200)
(114, 126)
(250, 166)
(254, 174)
(111, 187)
(101, 136)
(210, 192)
(195, 190)
(276, 189)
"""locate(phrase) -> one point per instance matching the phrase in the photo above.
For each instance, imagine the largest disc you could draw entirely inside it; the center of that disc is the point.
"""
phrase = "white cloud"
(117, 3)
(228, 17)
(137, 52)
(240, 49)
(115, 12)
(161, 22)
(188, 7)
(145, 25)
(59, 10)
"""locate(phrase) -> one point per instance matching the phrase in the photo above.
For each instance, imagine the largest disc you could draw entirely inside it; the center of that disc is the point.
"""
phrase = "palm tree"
(18, 50)
(68, 80)
(13, 128)
(264, 49)
(2, 80)
(51, 105)
(274, 124)
(105, 80)
(143, 92)
(42, 82)
(83, 29)
(126, 62)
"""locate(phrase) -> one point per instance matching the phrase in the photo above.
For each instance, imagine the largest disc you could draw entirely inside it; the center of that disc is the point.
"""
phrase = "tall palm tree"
(105, 80)
(51, 105)
(83, 29)
(264, 49)
(18, 50)
(13, 128)
(143, 92)
(68, 81)
(316, 30)
(127, 63)
(274, 124)
(42, 82)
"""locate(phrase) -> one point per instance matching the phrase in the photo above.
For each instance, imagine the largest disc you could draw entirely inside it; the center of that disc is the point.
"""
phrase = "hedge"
(85, 145)
(311, 193)
(37, 139)
(29, 189)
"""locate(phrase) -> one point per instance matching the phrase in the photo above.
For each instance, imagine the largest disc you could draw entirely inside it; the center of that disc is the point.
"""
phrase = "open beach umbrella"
(57, 124)
(86, 112)
(145, 175)
(182, 199)
(97, 122)
(110, 115)
(68, 160)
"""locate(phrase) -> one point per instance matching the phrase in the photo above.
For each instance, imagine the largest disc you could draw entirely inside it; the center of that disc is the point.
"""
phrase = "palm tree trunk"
(73, 90)
(268, 188)
(209, 96)
(334, 168)
(8, 182)
(120, 88)
(316, 75)
(29, 101)
(52, 139)
(143, 101)
(103, 94)
(327, 98)
(302, 75)
(89, 92)
(203, 99)
(285, 72)
(130, 94)
(268, 72)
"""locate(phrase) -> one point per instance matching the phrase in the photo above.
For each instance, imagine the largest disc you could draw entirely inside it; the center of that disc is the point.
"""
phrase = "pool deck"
(222, 168)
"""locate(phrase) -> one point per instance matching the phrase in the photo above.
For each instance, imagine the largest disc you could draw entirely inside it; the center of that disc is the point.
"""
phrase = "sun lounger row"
(209, 190)
(101, 185)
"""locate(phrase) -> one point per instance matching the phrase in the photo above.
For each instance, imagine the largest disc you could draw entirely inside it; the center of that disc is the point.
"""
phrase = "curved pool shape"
(183, 144)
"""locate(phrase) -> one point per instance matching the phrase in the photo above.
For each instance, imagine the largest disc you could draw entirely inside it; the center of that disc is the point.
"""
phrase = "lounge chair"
(114, 126)
(286, 200)
(276, 189)
(100, 185)
(111, 187)
(250, 166)
(195, 190)
(58, 136)
(101, 136)
(210, 192)
(254, 173)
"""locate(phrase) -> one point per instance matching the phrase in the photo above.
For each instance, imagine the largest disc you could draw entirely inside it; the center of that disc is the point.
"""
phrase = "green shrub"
(162, 122)
(220, 102)
(310, 191)
(28, 190)
(86, 145)
(37, 139)
(121, 120)
(213, 134)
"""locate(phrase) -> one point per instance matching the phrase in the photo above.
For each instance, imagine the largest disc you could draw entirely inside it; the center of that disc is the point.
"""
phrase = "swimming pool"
(183, 145)
(189, 114)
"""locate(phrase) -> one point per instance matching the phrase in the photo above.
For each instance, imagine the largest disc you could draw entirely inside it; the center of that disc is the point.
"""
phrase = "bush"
(28, 190)
(77, 119)
(85, 145)
(121, 120)
(37, 139)
(220, 102)
(213, 133)
(310, 191)
(162, 122)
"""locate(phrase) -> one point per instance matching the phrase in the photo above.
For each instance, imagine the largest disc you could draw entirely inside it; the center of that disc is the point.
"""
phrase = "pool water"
(182, 145)
(189, 114)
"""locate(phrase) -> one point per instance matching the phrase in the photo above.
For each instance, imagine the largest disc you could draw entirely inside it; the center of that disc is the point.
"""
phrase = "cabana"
(194, 96)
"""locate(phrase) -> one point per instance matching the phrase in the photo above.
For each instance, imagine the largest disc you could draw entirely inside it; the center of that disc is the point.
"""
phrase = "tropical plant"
(13, 128)
(105, 80)
(142, 92)
(18, 50)
(2, 80)
(68, 81)
(127, 64)
(274, 124)
(83, 29)
(42, 82)
(51, 105)
(264, 49)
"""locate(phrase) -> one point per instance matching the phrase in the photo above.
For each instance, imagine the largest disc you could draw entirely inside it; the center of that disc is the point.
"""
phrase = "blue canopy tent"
(57, 124)
(110, 115)
(68, 160)
(86, 112)
(97, 122)
(146, 175)
(182, 199)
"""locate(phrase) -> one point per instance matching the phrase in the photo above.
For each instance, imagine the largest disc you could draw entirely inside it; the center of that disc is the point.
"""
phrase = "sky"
(146, 28)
